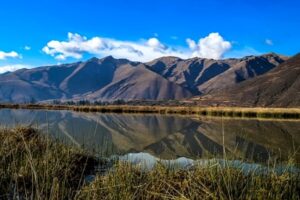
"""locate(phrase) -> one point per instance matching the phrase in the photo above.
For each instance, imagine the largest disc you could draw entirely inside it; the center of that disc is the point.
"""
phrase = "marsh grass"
(201, 182)
(33, 166)
(240, 112)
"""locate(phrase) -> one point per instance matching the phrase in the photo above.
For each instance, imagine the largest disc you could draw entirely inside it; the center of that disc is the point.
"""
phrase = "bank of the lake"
(241, 112)
(34, 166)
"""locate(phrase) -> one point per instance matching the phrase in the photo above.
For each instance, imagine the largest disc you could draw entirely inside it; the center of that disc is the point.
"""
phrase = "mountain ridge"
(109, 79)
(194, 73)
(280, 88)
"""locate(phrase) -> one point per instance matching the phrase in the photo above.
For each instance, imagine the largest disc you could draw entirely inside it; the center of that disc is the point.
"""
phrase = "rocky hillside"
(201, 75)
(110, 79)
(280, 88)
(95, 79)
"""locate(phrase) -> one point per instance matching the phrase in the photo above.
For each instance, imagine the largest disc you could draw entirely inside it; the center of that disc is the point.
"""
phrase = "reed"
(241, 112)
(201, 182)
(34, 166)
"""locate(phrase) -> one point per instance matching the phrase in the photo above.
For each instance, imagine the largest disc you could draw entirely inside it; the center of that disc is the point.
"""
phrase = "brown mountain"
(241, 70)
(139, 83)
(280, 88)
(95, 79)
(201, 75)
(110, 79)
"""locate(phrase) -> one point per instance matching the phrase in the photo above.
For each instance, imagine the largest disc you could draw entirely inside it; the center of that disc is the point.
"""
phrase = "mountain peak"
(272, 54)
(104, 59)
(93, 59)
(108, 58)
(167, 59)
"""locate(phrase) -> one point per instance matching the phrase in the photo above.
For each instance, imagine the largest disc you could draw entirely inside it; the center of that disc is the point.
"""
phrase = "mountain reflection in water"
(165, 136)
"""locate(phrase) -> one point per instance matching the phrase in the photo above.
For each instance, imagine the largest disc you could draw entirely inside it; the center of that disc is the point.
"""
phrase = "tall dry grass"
(288, 113)
(33, 166)
(201, 182)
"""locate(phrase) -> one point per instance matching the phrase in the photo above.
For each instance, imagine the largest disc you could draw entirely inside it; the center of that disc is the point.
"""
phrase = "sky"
(49, 32)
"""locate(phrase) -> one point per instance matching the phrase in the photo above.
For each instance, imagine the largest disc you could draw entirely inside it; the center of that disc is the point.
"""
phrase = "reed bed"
(34, 166)
(208, 182)
(241, 112)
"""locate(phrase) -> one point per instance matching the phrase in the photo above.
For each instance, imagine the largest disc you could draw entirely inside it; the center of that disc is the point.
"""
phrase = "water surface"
(165, 136)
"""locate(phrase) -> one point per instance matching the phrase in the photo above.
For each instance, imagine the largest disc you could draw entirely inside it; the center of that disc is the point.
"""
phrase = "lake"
(165, 137)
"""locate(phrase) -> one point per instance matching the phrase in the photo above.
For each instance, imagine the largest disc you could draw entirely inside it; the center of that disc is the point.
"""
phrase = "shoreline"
(231, 112)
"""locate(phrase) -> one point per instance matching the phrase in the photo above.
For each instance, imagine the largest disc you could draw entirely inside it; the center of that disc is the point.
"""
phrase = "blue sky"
(35, 33)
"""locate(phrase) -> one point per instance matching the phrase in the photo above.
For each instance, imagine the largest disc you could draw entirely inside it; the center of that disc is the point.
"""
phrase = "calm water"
(163, 136)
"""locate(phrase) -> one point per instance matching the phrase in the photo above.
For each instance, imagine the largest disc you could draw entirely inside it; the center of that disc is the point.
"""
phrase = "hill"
(279, 88)
(110, 79)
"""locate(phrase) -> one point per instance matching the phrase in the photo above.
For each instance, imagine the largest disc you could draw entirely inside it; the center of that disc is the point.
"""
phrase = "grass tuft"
(33, 166)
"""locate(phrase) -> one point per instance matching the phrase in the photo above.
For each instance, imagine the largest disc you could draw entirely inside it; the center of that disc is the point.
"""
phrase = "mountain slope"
(92, 75)
(279, 87)
(131, 83)
(205, 75)
(57, 82)
(110, 79)
(95, 79)
(241, 70)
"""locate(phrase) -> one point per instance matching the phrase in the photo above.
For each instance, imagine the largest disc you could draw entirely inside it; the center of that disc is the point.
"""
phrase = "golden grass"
(257, 112)
(207, 182)
(33, 166)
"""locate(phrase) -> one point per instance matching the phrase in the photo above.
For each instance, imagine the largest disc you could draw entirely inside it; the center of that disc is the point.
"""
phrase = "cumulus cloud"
(155, 43)
(11, 68)
(76, 45)
(12, 54)
(212, 46)
(269, 42)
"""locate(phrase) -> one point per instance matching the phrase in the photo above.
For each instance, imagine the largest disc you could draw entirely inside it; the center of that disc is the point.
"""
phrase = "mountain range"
(280, 87)
(166, 78)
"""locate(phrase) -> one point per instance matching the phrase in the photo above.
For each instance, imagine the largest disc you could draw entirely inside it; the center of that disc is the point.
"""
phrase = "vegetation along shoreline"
(34, 166)
(242, 112)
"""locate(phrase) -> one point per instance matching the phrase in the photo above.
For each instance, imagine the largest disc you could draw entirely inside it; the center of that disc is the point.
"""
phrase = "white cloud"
(27, 48)
(212, 46)
(77, 45)
(12, 54)
(155, 43)
(11, 68)
(74, 47)
(269, 42)
(192, 44)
